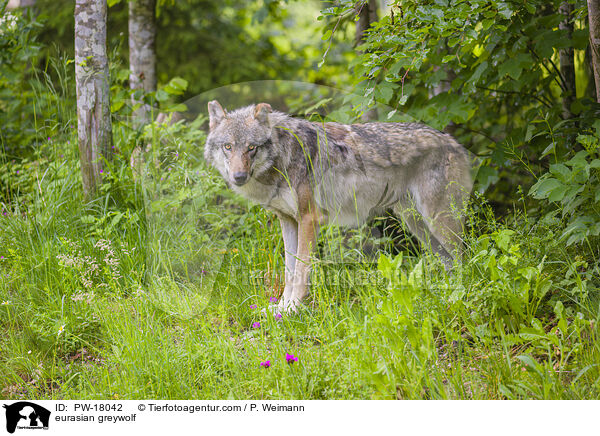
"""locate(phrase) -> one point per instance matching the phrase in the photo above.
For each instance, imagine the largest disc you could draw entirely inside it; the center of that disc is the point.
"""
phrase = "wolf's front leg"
(289, 231)
(308, 228)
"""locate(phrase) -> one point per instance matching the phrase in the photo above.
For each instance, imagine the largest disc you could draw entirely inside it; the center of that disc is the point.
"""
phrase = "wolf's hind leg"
(443, 216)
(447, 228)
(406, 209)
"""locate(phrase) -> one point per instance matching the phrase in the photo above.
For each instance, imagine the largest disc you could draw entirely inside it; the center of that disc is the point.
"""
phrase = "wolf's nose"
(240, 177)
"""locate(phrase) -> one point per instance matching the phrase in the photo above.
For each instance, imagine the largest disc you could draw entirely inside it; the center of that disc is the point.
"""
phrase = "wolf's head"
(238, 142)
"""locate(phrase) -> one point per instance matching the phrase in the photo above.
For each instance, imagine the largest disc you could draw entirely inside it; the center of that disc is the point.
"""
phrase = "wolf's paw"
(275, 309)
(293, 305)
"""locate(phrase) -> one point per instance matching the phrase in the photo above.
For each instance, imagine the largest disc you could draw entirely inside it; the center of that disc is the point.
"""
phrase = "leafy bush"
(18, 52)
(572, 185)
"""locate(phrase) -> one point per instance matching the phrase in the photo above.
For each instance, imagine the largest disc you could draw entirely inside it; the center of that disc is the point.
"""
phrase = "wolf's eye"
(227, 146)
(251, 147)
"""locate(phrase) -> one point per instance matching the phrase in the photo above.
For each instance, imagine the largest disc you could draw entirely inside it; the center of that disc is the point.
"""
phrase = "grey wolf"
(311, 173)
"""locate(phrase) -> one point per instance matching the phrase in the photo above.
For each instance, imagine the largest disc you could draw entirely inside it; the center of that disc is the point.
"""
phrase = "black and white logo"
(26, 415)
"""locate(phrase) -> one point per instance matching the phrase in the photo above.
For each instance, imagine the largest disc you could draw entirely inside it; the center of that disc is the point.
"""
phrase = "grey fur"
(312, 173)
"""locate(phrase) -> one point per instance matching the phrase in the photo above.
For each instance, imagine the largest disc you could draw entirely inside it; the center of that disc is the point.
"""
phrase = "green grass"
(147, 293)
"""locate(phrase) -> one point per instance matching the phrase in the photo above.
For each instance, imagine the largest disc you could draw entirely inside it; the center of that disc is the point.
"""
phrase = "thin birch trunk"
(94, 128)
(594, 20)
(142, 53)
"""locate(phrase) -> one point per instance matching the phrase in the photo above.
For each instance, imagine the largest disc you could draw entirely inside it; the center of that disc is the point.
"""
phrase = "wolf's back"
(393, 144)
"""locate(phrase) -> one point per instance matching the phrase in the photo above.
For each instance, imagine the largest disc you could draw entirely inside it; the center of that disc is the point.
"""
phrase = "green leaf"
(530, 363)
(558, 193)
(559, 309)
(543, 188)
(161, 95)
(478, 72)
(176, 108)
(179, 83)
(577, 230)
(515, 65)
(527, 273)
(561, 171)
(491, 266)
(550, 149)
(462, 111)
(123, 74)
(487, 23)
(116, 105)
(505, 10)
(530, 334)
(176, 86)
(487, 176)
(384, 91)
(502, 238)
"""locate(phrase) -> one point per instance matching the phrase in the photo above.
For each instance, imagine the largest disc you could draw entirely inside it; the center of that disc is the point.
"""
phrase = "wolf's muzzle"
(239, 178)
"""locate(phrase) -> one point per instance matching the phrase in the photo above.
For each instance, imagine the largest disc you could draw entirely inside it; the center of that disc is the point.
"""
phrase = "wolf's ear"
(261, 112)
(215, 114)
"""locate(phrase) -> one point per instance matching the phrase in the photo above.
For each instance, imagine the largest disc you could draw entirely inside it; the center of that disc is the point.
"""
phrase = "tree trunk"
(567, 61)
(594, 19)
(367, 15)
(588, 66)
(94, 129)
(142, 54)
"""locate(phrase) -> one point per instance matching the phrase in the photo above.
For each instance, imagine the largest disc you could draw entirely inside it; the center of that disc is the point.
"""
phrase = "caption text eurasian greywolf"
(312, 173)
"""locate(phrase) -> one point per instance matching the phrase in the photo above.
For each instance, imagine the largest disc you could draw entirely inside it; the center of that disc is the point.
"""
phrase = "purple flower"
(17, 171)
(101, 171)
(273, 299)
(266, 363)
(62, 155)
(290, 358)
(1, 257)
(256, 325)
(48, 138)
(253, 306)
(278, 316)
